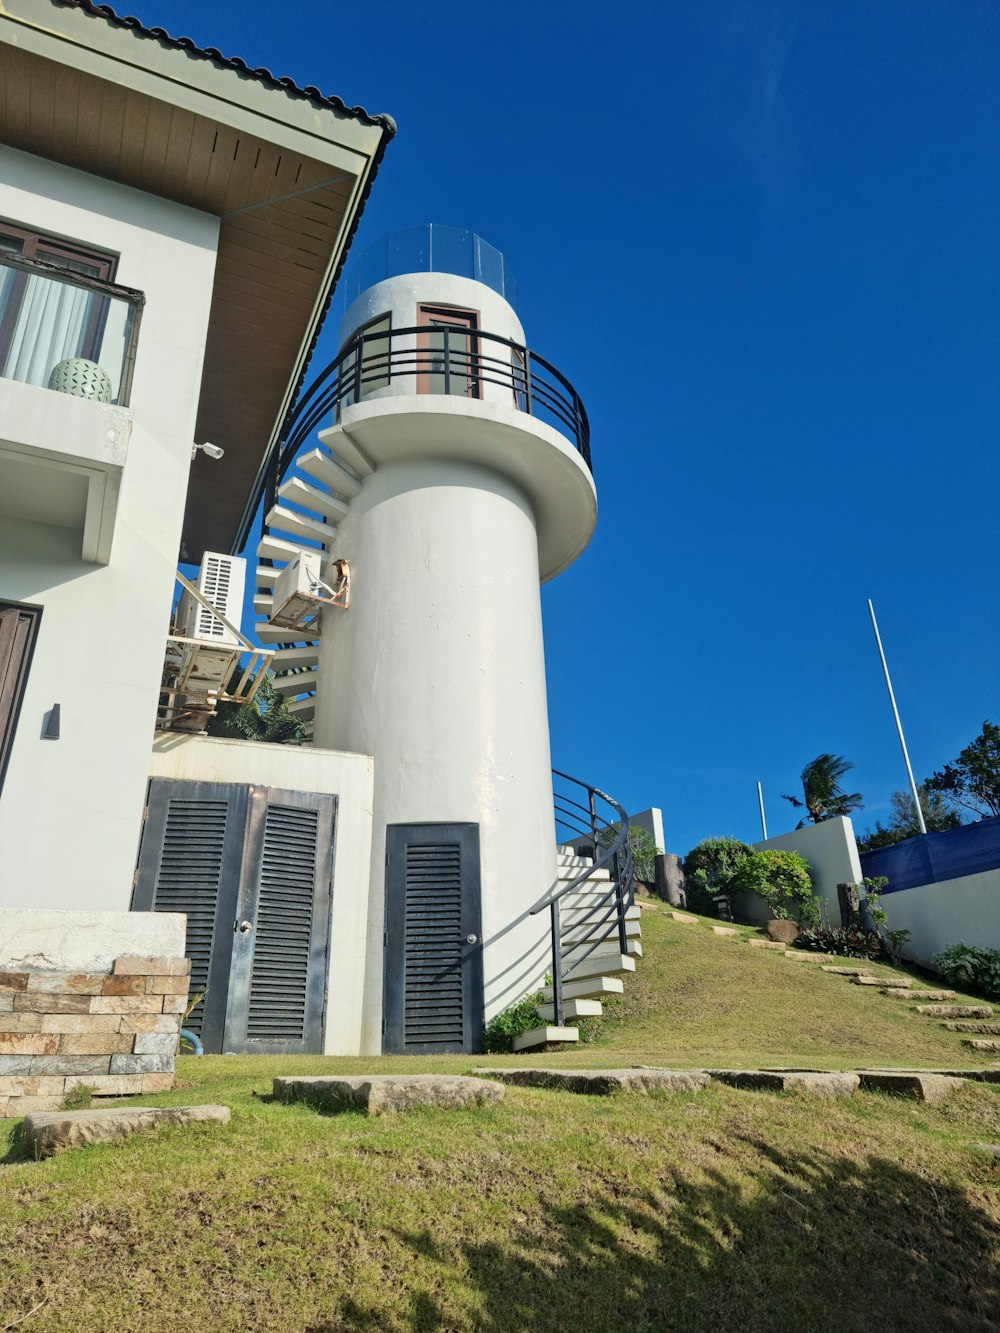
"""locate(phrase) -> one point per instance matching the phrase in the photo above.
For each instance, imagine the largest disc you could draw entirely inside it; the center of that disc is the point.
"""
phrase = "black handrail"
(473, 358)
(611, 849)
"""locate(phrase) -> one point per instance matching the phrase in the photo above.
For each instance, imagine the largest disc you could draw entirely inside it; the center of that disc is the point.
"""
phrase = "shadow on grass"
(805, 1243)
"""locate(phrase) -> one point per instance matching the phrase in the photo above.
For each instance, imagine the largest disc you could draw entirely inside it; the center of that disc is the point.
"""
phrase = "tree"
(823, 797)
(265, 718)
(973, 779)
(939, 814)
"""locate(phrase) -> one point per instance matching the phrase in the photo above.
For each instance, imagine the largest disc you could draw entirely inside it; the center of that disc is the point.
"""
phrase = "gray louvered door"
(252, 867)
(433, 989)
(278, 985)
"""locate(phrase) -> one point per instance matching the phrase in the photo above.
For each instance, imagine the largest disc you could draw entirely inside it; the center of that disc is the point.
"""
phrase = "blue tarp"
(932, 857)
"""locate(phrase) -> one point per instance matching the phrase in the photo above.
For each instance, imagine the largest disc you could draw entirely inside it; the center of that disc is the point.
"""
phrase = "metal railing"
(582, 819)
(443, 360)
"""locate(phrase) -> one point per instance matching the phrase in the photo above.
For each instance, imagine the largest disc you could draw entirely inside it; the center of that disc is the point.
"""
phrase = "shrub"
(970, 968)
(783, 880)
(500, 1031)
(643, 847)
(709, 868)
(854, 942)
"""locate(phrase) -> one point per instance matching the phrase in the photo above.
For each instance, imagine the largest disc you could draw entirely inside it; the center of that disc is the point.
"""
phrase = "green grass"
(721, 1210)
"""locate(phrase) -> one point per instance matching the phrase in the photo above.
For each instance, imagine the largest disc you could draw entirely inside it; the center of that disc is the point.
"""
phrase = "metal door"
(433, 978)
(252, 868)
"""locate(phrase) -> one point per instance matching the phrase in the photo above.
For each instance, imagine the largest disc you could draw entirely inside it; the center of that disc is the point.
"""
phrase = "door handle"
(472, 939)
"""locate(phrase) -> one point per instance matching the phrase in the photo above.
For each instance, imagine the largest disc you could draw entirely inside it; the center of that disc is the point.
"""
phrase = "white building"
(171, 228)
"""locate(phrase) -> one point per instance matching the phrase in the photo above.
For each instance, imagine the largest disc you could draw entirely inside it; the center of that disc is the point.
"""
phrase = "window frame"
(459, 317)
(9, 721)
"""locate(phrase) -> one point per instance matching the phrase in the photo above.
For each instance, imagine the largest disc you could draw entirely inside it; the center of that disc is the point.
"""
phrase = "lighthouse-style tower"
(464, 484)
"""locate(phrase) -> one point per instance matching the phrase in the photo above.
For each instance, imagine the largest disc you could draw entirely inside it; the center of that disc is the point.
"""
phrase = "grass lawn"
(720, 1210)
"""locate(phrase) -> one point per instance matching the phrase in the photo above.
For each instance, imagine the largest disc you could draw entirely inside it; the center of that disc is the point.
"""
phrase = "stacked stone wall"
(114, 1031)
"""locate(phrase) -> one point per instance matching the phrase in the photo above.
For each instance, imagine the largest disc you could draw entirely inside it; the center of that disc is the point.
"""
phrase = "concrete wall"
(312, 769)
(832, 853)
(953, 911)
(70, 809)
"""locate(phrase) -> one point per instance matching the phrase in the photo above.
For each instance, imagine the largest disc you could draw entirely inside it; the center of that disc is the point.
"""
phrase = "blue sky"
(761, 240)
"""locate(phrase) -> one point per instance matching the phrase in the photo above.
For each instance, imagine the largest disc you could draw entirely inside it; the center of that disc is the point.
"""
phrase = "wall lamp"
(212, 450)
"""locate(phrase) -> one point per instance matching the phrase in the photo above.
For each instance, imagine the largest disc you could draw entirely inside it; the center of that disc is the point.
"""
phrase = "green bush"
(500, 1031)
(643, 847)
(709, 869)
(783, 880)
(970, 968)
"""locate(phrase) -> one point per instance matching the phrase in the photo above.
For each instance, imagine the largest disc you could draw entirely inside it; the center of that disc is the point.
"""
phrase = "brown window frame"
(14, 676)
(53, 250)
(459, 317)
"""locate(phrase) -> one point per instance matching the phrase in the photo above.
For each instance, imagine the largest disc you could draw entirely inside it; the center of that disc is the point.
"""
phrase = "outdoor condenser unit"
(221, 580)
(300, 593)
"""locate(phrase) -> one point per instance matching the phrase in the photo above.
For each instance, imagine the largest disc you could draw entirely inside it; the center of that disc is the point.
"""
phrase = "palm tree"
(824, 797)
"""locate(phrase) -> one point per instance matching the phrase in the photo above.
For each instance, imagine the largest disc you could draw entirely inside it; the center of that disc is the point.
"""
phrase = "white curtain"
(50, 327)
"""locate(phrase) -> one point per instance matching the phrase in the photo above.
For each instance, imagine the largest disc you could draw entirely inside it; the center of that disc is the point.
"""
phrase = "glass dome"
(431, 248)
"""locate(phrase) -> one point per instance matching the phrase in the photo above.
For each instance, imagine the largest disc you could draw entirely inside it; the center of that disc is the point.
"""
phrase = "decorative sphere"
(83, 379)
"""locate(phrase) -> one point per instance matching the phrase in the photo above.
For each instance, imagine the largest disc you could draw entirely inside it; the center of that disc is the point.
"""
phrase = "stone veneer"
(114, 1031)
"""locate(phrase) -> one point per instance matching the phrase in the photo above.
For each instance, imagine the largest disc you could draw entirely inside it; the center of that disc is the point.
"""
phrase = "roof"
(231, 62)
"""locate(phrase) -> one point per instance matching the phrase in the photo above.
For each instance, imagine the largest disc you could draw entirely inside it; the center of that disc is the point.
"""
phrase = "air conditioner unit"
(221, 580)
(300, 591)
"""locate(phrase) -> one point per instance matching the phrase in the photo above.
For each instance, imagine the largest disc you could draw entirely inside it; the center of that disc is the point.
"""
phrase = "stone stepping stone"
(725, 930)
(376, 1094)
(49, 1132)
(988, 1029)
(805, 955)
(896, 994)
(848, 971)
(992, 1148)
(977, 1045)
(920, 1086)
(683, 916)
(766, 944)
(602, 1082)
(898, 983)
(820, 1084)
(956, 1010)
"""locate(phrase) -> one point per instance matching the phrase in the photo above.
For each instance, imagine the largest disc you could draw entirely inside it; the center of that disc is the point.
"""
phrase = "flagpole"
(760, 801)
(899, 725)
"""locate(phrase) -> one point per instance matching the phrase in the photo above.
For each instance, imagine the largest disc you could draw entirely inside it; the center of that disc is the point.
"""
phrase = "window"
(448, 351)
(18, 628)
(43, 320)
(375, 369)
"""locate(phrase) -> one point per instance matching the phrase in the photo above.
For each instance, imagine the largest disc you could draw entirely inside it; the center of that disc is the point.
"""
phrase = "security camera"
(212, 450)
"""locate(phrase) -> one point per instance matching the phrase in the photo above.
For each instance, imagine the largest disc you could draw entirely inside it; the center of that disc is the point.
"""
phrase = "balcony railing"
(67, 331)
(440, 360)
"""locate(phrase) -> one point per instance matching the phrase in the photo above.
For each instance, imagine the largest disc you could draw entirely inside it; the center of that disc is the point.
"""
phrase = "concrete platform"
(49, 1132)
(603, 1082)
(376, 1094)
(820, 1084)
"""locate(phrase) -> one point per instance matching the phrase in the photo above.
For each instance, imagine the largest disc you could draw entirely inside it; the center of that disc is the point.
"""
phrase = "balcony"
(383, 362)
(67, 344)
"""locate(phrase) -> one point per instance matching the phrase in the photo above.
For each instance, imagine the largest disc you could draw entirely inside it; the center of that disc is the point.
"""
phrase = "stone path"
(49, 1132)
(376, 1094)
(602, 1082)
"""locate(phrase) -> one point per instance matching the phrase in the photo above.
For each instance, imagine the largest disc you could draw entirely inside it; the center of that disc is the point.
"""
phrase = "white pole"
(899, 725)
(760, 802)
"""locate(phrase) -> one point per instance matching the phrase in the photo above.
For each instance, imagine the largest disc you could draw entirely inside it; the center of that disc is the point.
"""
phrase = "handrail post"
(447, 361)
(527, 382)
(593, 820)
(358, 355)
(620, 905)
(557, 983)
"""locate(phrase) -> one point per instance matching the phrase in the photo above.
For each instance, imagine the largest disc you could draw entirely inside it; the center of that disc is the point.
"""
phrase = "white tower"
(472, 463)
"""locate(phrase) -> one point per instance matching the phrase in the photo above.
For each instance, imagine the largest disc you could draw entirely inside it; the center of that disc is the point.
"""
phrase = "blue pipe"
(193, 1040)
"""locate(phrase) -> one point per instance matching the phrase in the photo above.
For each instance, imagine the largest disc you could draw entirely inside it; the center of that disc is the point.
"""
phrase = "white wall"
(832, 853)
(70, 809)
(304, 768)
(954, 911)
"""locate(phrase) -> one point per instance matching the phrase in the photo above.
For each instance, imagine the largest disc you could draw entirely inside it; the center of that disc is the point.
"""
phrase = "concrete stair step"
(299, 492)
(296, 682)
(600, 963)
(286, 658)
(279, 548)
(984, 1029)
(341, 444)
(268, 633)
(527, 1041)
(588, 988)
(299, 525)
(262, 603)
(573, 1009)
(321, 467)
(901, 993)
(267, 577)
